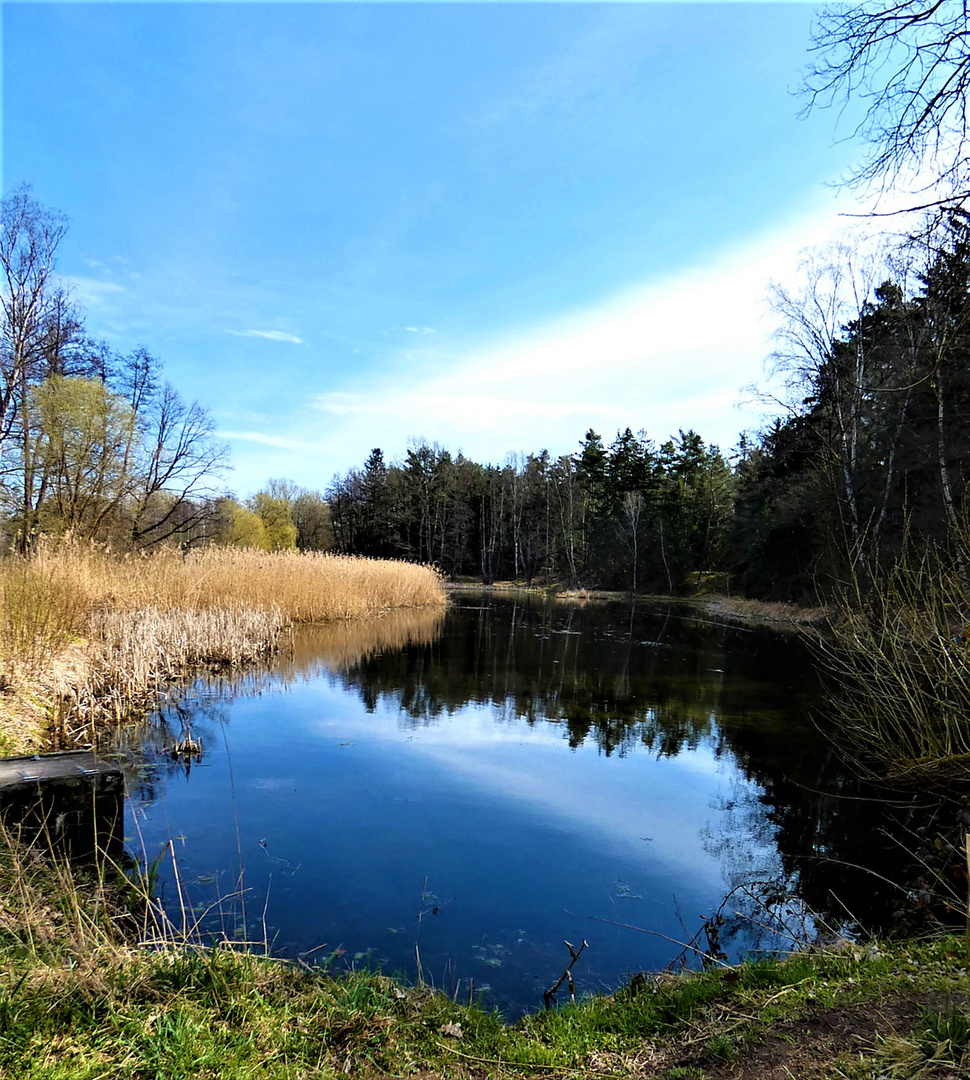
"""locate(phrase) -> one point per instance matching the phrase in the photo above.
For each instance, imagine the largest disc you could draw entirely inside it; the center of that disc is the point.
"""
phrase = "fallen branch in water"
(549, 996)
(691, 945)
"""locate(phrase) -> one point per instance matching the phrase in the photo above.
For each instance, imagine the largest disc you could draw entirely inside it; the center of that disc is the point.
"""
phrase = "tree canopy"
(92, 443)
(908, 63)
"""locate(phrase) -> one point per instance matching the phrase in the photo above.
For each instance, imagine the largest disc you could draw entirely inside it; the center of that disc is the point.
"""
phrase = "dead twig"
(549, 996)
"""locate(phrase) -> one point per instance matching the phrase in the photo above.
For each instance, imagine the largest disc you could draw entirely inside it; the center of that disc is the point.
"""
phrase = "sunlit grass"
(80, 999)
(309, 587)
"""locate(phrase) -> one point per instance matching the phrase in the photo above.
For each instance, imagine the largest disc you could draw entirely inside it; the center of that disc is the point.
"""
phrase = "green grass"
(79, 1002)
(216, 1013)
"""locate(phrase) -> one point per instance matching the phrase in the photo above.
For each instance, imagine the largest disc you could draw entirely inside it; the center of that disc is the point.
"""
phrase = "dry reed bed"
(86, 636)
(302, 587)
(133, 654)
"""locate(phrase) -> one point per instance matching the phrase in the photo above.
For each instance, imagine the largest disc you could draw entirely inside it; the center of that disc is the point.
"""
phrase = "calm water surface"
(476, 787)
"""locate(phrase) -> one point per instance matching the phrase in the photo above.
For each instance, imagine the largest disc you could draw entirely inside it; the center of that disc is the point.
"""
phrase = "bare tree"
(909, 63)
(834, 294)
(833, 362)
(30, 299)
(311, 516)
(178, 461)
(942, 318)
(632, 511)
(564, 490)
(35, 317)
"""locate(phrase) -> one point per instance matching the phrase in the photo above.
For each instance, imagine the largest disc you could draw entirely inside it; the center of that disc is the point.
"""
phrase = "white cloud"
(264, 440)
(672, 353)
(668, 354)
(92, 292)
(269, 335)
(420, 330)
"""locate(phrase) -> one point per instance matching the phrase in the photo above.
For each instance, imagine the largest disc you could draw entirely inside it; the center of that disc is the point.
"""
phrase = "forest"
(864, 459)
(863, 462)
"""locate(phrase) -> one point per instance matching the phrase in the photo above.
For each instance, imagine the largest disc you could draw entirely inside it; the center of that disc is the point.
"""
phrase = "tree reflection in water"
(664, 679)
(731, 711)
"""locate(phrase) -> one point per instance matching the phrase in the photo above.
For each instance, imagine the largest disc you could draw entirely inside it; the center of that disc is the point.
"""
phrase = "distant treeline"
(865, 464)
(870, 456)
(628, 515)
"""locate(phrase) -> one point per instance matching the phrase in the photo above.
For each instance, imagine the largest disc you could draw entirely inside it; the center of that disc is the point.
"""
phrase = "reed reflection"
(337, 646)
(191, 717)
(565, 717)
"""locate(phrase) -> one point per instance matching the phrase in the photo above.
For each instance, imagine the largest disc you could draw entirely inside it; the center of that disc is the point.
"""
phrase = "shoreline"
(96, 986)
(778, 615)
(89, 639)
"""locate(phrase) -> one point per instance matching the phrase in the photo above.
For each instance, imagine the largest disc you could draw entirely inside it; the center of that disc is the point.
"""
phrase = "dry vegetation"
(898, 666)
(87, 636)
(778, 614)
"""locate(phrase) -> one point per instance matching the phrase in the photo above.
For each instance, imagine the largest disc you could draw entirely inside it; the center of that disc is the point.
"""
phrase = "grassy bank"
(86, 637)
(79, 1001)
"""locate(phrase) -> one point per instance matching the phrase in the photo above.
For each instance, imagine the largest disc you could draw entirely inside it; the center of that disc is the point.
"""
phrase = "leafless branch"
(549, 996)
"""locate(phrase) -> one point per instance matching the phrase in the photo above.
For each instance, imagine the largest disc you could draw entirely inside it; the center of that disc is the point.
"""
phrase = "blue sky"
(493, 226)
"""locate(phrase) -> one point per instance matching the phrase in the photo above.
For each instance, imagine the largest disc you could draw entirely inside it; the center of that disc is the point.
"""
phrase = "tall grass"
(39, 614)
(87, 636)
(898, 667)
(301, 587)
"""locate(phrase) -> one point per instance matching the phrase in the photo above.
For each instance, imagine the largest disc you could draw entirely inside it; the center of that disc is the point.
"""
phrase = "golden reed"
(88, 636)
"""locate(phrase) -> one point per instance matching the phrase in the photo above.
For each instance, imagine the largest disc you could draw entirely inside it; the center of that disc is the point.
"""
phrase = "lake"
(468, 790)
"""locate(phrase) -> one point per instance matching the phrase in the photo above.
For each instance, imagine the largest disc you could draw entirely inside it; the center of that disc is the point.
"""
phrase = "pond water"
(468, 790)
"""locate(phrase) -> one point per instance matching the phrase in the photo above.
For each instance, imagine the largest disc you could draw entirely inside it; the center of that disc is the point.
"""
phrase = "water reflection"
(669, 681)
(547, 771)
(191, 713)
(620, 678)
(341, 645)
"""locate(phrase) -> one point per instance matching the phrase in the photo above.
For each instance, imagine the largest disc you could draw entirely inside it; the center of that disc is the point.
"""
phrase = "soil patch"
(817, 1047)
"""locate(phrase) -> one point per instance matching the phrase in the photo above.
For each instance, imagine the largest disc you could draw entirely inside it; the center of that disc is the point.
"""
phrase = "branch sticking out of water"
(549, 996)
(691, 946)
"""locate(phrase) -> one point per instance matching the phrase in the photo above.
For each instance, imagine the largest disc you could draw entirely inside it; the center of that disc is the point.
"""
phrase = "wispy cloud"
(269, 335)
(420, 330)
(92, 292)
(673, 353)
(604, 56)
(264, 440)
